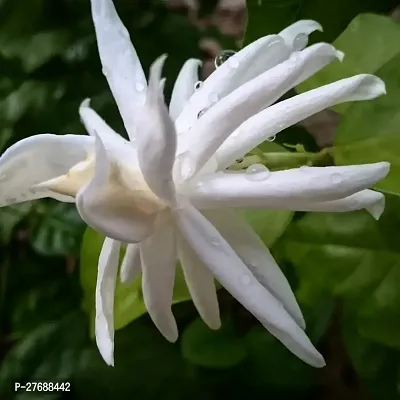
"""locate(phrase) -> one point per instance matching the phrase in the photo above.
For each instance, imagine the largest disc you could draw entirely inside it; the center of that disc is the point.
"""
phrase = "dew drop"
(336, 178)
(201, 113)
(224, 56)
(198, 85)
(257, 172)
(185, 165)
(271, 138)
(300, 41)
(245, 279)
(215, 242)
(139, 86)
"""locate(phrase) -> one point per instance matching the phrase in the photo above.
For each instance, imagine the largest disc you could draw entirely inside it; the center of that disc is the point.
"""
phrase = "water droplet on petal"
(257, 172)
(224, 56)
(271, 138)
(139, 86)
(185, 164)
(336, 178)
(215, 241)
(198, 85)
(300, 42)
(245, 279)
(201, 113)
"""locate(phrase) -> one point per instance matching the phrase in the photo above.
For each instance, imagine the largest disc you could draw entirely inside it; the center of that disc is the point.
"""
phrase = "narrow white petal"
(158, 257)
(37, 159)
(245, 65)
(215, 126)
(278, 117)
(201, 284)
(250, 248)
(370, 200)
(131, 266)
(109, 205)
(299, 186)
(121, 65)
(157, 142)
(184, 87)
(105, 289)
(303, 27)
(233, 274)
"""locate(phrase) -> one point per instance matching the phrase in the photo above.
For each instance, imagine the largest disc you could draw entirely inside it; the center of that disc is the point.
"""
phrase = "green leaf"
(370, 130)
(271, 362)
(213, 349)
(369, 42)
(271, 16)
(353, 257)
(128, 302)
(57, 230)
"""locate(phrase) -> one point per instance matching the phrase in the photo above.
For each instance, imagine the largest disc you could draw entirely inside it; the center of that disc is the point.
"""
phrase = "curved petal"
(121, 65)
(233, 274)
(302, 27)
(278, 117)
(184, 87)
(105, 289)
(299, 185)
(200, 283)
(250, 248)
(116, 201)
(158, 257)
(372, 201)
(37, 159)
(157, 143)
(246, 64)
(214, 127)
(131, 266)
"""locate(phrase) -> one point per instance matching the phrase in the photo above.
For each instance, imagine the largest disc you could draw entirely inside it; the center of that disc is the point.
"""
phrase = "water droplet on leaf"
(257, 172)
(271, 138)
(300, 41)
(224, 56)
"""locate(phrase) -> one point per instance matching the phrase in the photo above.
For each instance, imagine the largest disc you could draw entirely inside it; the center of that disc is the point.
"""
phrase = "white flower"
(166, 193)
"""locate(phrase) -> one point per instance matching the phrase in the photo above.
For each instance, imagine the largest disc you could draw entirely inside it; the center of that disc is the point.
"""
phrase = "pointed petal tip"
(371, 86)
(319, 361)
(377, 209)
(85, 104)
(340, 55)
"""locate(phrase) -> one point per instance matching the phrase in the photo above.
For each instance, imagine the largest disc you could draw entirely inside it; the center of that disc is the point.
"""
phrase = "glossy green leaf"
(271, 362)
(353, 257)
(128, 303)
(370, 130)
(221, 348)
(271, 16)
(369, 42)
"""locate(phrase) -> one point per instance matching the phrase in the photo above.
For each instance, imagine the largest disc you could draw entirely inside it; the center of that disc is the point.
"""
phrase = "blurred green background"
(345, 268)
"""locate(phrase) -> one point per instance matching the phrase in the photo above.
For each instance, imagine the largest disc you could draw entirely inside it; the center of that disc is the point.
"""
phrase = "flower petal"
(278, 117)
(372, 201)
(215, 126)
(245, 65)
(121, 65)
(116, 202)
(184, 87)
(157, 143)
(105, 289)
(233, 274)
(303, 27)
(299, 185)
(250, 248)
(131, 266)
(200, 283)
(158, 256)
(36, 159)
